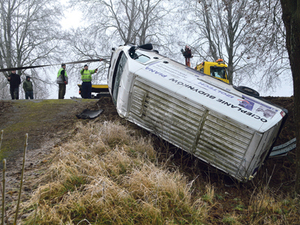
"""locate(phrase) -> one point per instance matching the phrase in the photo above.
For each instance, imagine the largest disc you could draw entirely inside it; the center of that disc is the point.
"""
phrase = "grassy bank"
(39, 118)
(109, 174)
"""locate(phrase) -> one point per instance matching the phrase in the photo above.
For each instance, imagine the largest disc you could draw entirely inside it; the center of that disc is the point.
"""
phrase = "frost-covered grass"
(107, 174)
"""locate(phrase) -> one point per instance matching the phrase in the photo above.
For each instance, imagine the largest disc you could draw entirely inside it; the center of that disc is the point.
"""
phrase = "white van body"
(200, 114)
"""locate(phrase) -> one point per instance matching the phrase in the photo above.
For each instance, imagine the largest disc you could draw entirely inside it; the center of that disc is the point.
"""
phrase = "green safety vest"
(59, 79)
(86, 75)
(59, 71)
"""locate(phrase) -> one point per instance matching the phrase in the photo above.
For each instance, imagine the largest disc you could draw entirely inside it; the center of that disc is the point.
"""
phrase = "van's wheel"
(247, 90)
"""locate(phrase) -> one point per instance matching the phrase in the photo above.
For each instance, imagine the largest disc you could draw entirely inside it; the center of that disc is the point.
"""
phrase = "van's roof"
(191, 85)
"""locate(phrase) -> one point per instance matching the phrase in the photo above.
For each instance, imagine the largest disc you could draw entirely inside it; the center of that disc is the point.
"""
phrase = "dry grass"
(109, 175)
(106, 175)
(266, 208)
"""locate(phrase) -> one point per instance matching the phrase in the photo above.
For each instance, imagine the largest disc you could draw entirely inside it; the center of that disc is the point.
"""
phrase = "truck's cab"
(216, 69)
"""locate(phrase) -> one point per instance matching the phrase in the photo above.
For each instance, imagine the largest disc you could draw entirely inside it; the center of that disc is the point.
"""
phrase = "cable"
(31, 67)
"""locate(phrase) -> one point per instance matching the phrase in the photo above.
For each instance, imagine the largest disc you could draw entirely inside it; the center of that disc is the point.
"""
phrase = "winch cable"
(31, 67)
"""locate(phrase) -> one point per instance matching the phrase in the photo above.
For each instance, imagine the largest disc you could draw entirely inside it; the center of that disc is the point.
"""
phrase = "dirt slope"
(41, 119)
(48, 123)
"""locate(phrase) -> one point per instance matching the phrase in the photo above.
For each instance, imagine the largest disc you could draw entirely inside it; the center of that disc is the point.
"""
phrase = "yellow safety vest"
(86, 75)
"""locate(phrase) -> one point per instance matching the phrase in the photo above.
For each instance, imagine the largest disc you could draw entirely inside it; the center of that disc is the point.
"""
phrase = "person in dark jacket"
(15, 81)
(28, 88)
(62, 80)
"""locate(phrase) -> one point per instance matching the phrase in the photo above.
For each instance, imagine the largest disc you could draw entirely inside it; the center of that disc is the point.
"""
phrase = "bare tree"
(226, 29)
(84, 44)
(247, 34)
(291, 21)
(270, 52)
(110, 23)
(126, 21)
(28, 34)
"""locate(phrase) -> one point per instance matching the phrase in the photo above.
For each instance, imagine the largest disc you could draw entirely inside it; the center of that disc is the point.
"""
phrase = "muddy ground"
(48, 123)
(51, 122)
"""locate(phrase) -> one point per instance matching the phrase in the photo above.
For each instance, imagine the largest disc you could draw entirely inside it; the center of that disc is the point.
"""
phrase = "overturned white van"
(222, 125)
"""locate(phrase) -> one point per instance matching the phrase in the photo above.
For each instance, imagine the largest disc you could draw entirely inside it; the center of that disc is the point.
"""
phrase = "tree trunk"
(297, 122)
(291, 19)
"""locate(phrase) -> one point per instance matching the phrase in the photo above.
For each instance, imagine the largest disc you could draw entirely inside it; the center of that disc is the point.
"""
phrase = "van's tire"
(247, 90)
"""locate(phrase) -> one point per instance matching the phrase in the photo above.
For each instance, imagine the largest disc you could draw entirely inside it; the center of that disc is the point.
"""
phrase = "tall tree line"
(29, 33)
(248, 34)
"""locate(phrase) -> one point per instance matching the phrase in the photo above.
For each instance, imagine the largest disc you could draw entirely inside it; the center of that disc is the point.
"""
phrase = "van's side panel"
(194, 128)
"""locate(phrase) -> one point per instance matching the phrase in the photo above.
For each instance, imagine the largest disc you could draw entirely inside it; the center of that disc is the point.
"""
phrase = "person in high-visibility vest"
(86, 77)
(62, 80)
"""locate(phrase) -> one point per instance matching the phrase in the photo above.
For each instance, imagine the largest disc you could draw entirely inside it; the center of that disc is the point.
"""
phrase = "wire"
(31, 67)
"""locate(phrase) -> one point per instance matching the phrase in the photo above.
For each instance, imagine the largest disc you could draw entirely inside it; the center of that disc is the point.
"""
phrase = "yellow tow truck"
(216, 69)
(99, 89)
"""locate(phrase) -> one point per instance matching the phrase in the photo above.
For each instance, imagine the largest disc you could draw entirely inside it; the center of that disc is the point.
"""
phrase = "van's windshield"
(138, 56)
(142, 58)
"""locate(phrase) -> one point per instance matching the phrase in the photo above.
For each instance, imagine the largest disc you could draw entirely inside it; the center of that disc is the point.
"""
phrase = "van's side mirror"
(132, 49)
(148, 46)
(132, 52)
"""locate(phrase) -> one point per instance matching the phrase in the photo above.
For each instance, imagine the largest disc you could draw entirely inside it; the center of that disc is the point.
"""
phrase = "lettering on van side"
(255, 116)
(156, 72)
(193, 88)
(215, 89)
(239, 109)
